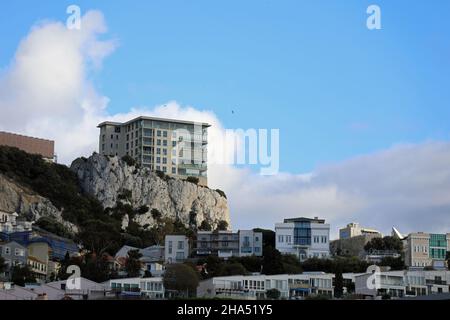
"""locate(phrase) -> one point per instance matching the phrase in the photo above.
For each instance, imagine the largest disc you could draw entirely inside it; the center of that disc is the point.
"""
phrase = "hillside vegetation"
(100, 230)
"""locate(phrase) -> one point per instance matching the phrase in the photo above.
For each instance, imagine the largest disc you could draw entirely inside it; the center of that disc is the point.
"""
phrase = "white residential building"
(176, 248)
(226, 243)
(255, 286)
(402, 283)
(303, 237)
(147, 287)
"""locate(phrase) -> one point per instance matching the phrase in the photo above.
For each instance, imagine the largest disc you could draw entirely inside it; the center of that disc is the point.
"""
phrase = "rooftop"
(204, 124)
(303, 219)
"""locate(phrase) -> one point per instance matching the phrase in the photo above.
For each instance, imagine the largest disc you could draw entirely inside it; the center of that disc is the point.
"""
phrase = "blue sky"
(310, 68)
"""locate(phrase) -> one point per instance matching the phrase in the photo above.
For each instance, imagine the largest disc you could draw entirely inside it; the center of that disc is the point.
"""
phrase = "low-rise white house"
(256, 286)
(152, 288)
(402, 283)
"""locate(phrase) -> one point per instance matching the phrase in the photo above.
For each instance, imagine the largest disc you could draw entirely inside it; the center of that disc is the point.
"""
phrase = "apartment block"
(226, 244)
(426, 250)
(303, 237)
(175, 147)
(42, 147)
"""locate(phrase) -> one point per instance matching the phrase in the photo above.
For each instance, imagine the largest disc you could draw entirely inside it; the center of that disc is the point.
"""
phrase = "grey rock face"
(108, 177)
(29, 205)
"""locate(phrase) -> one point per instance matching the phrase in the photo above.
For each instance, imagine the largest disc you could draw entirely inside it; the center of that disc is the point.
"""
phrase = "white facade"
(176, 248)
(402, 283)
(148, 287)
(303, 237)
(9, 223)
(250, 243)
(256, 286)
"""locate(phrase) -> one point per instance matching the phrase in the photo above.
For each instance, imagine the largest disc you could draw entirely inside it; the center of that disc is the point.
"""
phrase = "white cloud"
(46, 92)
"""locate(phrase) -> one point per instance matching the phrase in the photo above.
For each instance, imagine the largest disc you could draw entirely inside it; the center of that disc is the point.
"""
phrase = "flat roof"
(303, 219)
(204, 124)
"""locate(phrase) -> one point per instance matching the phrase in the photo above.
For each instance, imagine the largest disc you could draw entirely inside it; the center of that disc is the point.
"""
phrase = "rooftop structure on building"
(354, 229)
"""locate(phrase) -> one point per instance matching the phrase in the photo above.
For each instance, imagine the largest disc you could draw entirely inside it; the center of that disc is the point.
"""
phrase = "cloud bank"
(47, 92)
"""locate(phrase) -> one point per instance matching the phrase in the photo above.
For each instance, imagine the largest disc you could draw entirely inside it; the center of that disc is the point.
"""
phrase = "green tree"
(273, 294)
(100, 236)
(181, 278)
(3, 265)
(133, 263)
(232, 269)
(21, 275)
(338, 283)
(394, 263)
(222, 225)
(156, 214)
(386, 243)
(272, 261)
(129, 160)
(205, 226)
(193, 180)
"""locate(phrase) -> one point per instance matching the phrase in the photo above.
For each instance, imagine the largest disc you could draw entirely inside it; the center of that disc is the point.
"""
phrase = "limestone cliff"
(108, 177)
(29, 205)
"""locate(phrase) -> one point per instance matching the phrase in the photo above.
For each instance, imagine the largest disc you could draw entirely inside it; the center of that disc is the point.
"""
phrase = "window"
(280, 238)
(174, 143)
(170, 247)
(164, 160)
(158, 142)
(19, 252)
(7, 250)
(174, 170)
(158, 133)
(180, 245)
(164, 169)
(165, 134)
(158, 168)
(165, 143)
(158, 159)
(164, 152)
(158, 150)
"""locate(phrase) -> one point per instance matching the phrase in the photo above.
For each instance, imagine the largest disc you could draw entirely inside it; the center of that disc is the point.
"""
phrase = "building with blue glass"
(303, 237)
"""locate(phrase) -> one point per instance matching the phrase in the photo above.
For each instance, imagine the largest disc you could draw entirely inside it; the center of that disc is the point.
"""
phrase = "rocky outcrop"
(30, 206)
(108, 177)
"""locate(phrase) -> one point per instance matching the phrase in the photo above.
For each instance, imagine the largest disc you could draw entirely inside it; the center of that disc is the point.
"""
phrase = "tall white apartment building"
(175, 147)
(303, 237)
